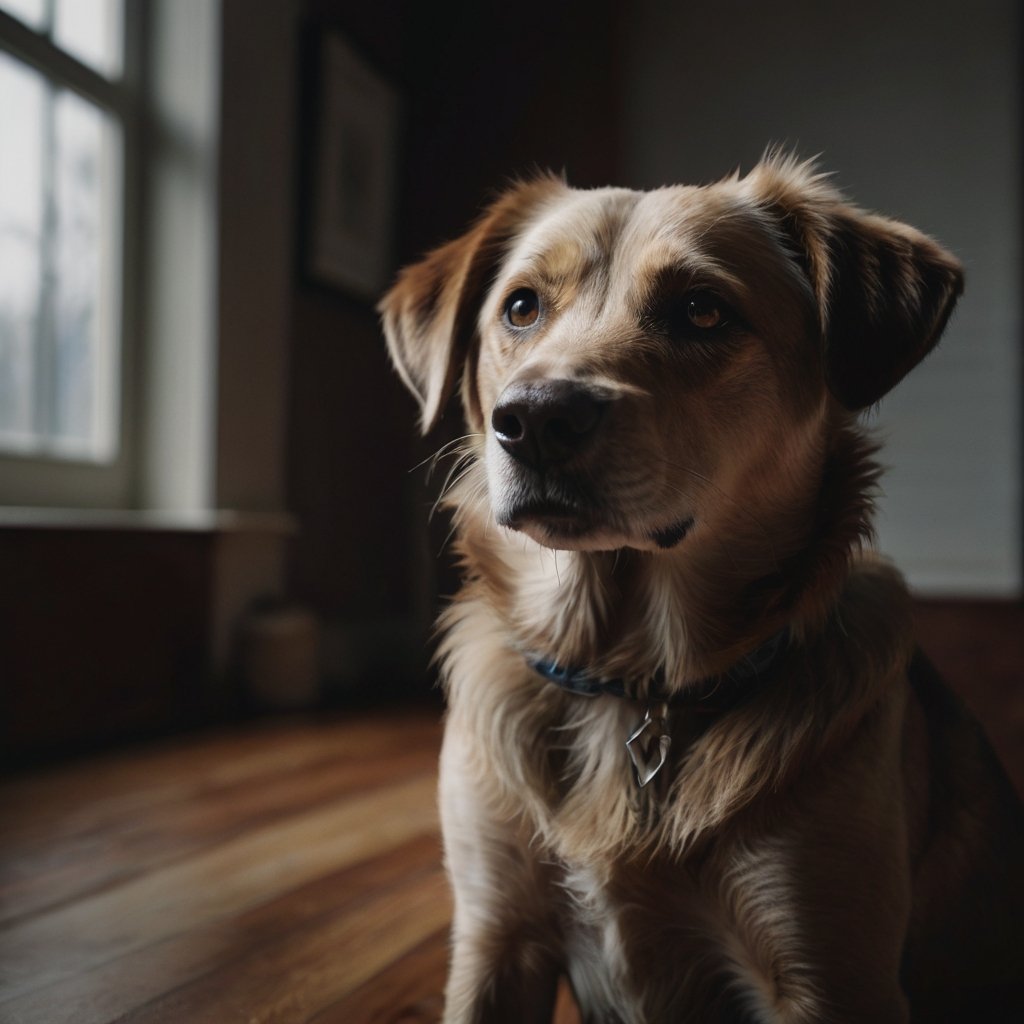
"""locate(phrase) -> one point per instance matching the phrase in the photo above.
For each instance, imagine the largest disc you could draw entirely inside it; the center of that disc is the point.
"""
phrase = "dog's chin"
(573, 531)
(571, 536)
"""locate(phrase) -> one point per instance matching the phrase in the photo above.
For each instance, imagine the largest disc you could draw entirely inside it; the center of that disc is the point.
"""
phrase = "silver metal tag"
(649, 743)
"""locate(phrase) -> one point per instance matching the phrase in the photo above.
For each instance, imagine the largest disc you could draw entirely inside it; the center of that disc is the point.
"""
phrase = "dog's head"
(634, 363)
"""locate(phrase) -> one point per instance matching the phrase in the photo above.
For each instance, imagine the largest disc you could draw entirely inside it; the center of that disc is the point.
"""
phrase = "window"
(64, 117)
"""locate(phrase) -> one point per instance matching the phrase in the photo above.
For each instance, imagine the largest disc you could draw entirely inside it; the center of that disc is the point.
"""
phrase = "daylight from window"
(60, 169)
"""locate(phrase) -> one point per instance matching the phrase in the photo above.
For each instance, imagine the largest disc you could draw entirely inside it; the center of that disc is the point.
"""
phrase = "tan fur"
(808, 854)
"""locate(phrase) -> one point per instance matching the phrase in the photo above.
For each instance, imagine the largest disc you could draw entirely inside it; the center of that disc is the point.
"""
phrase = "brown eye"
(522, 308)
(704, 311)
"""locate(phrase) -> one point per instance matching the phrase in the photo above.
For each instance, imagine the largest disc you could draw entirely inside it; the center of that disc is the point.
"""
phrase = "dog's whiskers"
(456, 474)
(474, 495)
(448, 449)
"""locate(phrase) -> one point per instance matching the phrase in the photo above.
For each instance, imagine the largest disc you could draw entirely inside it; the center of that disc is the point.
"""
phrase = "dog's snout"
(546, 422)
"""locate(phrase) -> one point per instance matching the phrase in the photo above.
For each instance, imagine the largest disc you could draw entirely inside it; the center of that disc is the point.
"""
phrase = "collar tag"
(649, 743)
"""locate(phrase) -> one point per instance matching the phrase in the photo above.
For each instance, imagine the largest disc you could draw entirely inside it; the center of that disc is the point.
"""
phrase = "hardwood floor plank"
(291, 981)
(113, 990)
(213, 885)
(98, 793)
(409, 990)
(37, 875)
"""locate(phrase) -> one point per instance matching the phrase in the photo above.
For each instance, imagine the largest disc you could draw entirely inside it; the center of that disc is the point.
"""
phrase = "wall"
(258, 136)
(218, 182)
(177, 349)
(483, 100)
(352, 559)
(104, 633)
(915, 107)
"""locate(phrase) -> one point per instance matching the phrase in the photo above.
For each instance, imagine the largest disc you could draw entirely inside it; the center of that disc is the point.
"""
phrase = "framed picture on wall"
(352, 173)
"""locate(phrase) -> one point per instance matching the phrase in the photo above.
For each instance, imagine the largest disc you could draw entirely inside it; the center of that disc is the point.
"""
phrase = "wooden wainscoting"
(979, 648)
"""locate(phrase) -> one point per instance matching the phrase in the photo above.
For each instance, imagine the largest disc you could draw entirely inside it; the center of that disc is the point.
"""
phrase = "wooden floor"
(285, 872)
(282, 872)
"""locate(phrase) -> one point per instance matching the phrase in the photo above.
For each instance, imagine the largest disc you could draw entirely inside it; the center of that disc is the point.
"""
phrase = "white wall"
(915, 107)
(220, 229)
(179, 350)
(220, 222)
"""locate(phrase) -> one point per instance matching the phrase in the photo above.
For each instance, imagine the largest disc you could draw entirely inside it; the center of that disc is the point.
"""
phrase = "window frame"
(55, 478)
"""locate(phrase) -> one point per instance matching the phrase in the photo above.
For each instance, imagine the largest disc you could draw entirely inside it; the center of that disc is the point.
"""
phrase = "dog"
(692, 760)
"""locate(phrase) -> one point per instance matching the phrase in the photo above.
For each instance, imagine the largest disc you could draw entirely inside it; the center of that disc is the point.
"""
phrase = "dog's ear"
(884, 290)
(430, 314)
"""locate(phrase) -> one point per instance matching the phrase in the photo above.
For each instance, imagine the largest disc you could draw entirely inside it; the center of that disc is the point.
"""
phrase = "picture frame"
(352, 173)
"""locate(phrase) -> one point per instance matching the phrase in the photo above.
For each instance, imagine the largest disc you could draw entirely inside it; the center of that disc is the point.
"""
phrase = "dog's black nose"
(546, 422)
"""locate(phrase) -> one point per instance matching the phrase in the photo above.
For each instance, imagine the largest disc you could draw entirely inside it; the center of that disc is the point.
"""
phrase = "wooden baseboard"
(978, 647)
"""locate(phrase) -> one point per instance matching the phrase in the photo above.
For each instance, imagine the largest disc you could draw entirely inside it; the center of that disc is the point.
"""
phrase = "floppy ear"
(884, 290)
(429, 315)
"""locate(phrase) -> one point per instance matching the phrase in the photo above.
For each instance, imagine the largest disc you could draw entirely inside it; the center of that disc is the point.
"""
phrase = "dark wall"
(489, 92)
(497, 91)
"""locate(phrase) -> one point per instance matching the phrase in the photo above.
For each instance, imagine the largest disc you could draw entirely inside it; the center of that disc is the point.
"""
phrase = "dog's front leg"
(505, 960)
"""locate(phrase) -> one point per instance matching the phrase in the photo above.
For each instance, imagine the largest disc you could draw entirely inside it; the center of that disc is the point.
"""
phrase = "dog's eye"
(522, 308)
(698, 315)
(704, 310)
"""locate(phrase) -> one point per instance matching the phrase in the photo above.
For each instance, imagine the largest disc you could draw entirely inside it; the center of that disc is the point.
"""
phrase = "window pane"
(60, 160)
(21, 225)
(92, 31)
(31, 12)
(83, 311)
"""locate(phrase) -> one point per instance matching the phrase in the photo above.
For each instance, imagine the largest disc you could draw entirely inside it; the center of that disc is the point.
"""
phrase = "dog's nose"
(546, 422)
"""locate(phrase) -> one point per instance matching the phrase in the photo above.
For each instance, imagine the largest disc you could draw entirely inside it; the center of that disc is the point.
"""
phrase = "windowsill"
(151, 520)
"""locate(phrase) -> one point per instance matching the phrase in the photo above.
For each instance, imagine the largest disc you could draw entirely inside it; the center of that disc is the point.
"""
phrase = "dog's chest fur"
(693, 895)
(709, 940)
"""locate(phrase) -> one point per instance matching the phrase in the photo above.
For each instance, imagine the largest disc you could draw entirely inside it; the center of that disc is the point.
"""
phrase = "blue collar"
(714, 694)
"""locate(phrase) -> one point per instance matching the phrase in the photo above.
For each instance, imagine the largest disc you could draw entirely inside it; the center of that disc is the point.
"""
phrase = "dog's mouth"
(571, 523)
(556, 518)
